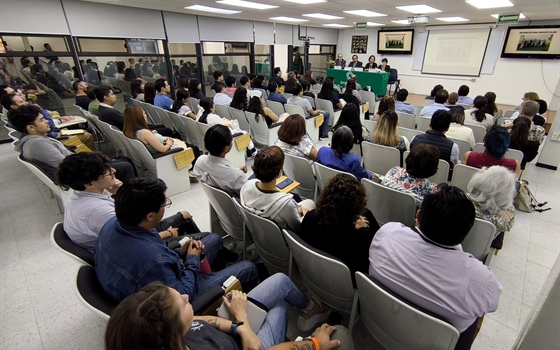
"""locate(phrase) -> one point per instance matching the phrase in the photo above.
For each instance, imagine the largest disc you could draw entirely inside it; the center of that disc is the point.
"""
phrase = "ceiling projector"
(418, 19)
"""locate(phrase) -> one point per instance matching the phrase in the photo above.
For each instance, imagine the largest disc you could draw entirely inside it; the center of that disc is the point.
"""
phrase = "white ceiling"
(535, 10)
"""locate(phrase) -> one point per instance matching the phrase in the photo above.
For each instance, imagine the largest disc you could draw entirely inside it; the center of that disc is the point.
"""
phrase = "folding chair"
(390, 205)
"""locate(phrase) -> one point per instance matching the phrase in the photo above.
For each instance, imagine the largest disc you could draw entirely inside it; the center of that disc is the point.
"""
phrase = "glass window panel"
(182, 49)
(209, 48)
(238, 48)
(262, 49)
(102, 45)
(35, 43)
(327, 48)
(187, 66)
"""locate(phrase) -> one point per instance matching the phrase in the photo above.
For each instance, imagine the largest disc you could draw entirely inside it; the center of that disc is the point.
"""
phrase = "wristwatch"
(234, 325)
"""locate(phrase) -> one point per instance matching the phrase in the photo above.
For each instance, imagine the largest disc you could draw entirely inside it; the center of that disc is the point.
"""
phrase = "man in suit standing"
(355, 63)
(340, 61)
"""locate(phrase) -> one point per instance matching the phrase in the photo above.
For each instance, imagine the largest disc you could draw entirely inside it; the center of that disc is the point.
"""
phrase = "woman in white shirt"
(456, 129)
(181, 104)
(477, 115)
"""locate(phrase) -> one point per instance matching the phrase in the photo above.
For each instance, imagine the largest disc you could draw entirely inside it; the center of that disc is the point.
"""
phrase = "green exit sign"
(360, 26)
(508, 19)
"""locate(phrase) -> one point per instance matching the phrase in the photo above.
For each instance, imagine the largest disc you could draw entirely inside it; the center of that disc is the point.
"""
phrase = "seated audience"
(44, 151)
(161, 100)
(137, 89)
(159, 317)
(519, 140)
(256, 106)
(448, 150)
(528, 96)
(452, 99)
(276, 77)
(214, 169)
(338, 155)
(350, 116)
(426, 264)
(306, 86)
(491, 107)
(149, 93)
(309, 77)
(261, 196)
(129, 254)
(274, 94)
(386, 104)
(182, 106)
(351, 95)
(329, 93)
(240, 99)
(421, 163)
(477, 115)
(221, 97)
(385, 132)
(529, 110)
(90, 205)
(440, 98)
(136, 128)
(457, 128)
(492, 193)
(539, 119)
(231, 84)
(496, 142)
(463, 98)
(195, 89)
(434, 92)
(80, 89)
(290, 83)
(400, 105)
(341, 225)
(218, 78)
(293, 138)
(298, 100)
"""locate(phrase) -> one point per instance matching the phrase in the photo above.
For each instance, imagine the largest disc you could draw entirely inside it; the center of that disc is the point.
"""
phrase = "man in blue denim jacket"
(130, 254)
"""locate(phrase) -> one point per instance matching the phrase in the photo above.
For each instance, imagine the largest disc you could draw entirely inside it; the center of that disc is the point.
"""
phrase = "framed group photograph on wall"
(532, 42)
(359, 44)
(395, 42)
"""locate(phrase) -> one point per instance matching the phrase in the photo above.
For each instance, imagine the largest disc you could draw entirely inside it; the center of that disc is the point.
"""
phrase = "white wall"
(510, 80)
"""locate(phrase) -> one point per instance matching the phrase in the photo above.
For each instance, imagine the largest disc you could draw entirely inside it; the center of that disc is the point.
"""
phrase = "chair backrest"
(478, 147)
(423, 124)
(193, 131)
(162, 114)
(380, 159)
(276, 107)
(324, 174)
(370, 125)
(180, 126)
(223, 111)
(300, 170)
(293, 109)
(501, 120)
(326, 278)
(142, 158)
(464, 105)
(311, 100)
(417, 109)
(262, 134)
(263, 92)
(397, 325)
(327, 106)
(242, 117)
(268, 239)
(368, 96)
(407, 120)
(393, 75)
(478, 131)
(230, 219)
(514, 154)
(479, 239)
(462, 174)
(91, 293)
(442, 171)
(60, 239)
(287, 95)
(203, 128)
(110, 135)
(464, 146)
(390, 205)
(152, 113)
(508, 114)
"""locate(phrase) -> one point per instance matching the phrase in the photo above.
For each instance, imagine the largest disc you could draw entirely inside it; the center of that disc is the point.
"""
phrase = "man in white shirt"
(440, 98)
(426, 264)
(221, 97)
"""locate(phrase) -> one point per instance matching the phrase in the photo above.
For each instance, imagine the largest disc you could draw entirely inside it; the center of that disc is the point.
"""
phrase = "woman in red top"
(496, 144)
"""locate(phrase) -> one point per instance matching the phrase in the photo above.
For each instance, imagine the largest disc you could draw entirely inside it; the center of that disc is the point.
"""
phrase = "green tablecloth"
(377, 81)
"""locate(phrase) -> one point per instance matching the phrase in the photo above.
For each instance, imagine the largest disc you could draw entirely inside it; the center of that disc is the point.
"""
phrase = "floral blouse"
(300, 150)
(503, 220)
(398, 179)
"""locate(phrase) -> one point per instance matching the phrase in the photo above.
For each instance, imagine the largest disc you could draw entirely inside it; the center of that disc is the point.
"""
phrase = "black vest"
(437, 139)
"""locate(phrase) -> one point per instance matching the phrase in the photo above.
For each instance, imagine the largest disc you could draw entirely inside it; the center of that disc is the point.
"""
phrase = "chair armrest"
(170, 151)
(275, 125)
(205, 300)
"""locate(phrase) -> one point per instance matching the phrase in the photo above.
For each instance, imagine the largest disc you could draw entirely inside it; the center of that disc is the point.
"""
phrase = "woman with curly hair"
(240, 99)
(341, 225)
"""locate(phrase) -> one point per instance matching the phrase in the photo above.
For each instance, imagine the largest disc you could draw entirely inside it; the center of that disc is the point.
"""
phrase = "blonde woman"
(385, 132)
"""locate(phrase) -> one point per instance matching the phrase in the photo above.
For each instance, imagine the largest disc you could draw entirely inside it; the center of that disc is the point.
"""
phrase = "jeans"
(277, 293)
(245, 271)
(324, 128)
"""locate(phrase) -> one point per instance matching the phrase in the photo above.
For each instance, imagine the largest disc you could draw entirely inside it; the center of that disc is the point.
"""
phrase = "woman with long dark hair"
(351, 95)
(491, 107)
(350, 117)
(240, 99)
(520, 140)
(195, 89)
(256, 106)
(137, 89)
(181, 105)
(478, 115)
(328, 93)
(149, 93)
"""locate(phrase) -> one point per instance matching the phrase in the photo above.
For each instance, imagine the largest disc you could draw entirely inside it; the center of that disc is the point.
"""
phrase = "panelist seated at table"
(371, 63)
(340, 61)
(355, 63)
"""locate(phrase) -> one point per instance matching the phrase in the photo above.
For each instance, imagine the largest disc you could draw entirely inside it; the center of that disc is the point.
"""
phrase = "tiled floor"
(39, 308)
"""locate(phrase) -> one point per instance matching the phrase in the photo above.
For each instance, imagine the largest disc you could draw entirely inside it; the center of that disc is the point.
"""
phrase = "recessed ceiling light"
(211, 9)
(365, 13)
(249, 4)
(418, 9)
(337, 25)
(373, 24)
(288, 19)
(322, 16)
(489, 4)
(401, 21)
(307, 2)
(521, 16)
(452, 19)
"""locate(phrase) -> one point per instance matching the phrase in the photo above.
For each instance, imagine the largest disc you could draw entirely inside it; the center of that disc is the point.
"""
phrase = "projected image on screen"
(456, 52)
(532, 42)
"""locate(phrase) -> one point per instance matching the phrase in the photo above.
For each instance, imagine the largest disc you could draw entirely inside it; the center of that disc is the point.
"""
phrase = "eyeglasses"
(105, 175)
(167, 203)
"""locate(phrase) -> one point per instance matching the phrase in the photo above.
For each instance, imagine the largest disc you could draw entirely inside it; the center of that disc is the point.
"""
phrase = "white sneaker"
(314, 313)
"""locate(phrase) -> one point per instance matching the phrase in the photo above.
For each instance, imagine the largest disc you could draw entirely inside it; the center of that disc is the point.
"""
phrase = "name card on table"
(75, 141)
(242, 141)
(319, 120)
(183, 159)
